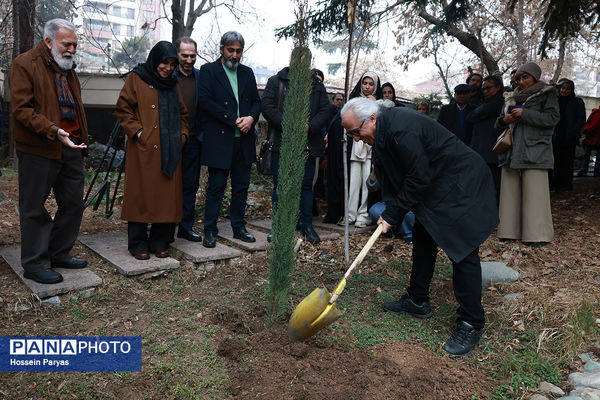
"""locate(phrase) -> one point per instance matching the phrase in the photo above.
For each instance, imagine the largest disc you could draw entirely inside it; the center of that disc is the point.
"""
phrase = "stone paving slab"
(226, 233)
(493, 272)
(73, 279)
(352, 230)
(196, 253)
(112, 247)
(324, 234)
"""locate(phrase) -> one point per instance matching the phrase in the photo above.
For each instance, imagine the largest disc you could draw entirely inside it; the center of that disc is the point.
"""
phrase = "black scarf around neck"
(168, 104)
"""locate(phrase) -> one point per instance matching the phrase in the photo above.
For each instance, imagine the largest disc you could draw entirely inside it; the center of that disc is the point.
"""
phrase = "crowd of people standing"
(435, 183)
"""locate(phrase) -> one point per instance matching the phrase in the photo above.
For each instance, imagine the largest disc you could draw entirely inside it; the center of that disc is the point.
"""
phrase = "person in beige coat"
(531, 111)
(153, 116)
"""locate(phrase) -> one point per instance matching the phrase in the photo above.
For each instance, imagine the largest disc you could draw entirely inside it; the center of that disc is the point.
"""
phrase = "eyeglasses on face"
(355, 132)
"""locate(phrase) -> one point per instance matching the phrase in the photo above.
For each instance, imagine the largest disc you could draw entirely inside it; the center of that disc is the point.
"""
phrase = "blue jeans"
(407, 223)
(586, 160)
(306, 191)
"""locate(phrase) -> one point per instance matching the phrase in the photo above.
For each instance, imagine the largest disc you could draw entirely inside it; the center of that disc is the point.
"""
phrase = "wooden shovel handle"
(360, 256)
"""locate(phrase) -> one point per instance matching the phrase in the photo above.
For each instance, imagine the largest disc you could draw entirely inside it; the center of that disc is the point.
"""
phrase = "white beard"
(63, 63)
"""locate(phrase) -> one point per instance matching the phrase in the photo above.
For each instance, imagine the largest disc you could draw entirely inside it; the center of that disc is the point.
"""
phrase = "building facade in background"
(106, 25)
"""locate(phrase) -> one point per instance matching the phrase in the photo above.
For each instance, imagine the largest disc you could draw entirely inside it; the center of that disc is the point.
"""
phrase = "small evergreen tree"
(291, 171)
(133, 51)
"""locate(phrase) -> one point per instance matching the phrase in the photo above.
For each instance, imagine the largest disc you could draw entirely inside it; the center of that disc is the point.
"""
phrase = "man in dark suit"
(452, 116)
(188, 78)
(424, 168)
(229, 108)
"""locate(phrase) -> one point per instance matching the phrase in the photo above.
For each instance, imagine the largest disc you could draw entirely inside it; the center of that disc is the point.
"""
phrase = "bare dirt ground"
(256, 360)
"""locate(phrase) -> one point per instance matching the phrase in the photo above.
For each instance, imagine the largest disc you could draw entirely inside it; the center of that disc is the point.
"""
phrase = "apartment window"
(116, 28)
(116, 11)
(94, 6)
(96, 24)
(149, 16)
(130, 13)
(130, 30)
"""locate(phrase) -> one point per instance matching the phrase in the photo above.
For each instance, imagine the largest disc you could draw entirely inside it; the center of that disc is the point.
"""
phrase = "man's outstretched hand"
(63, 136)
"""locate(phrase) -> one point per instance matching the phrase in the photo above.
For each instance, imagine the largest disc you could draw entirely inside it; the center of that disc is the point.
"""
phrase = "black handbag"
(264, 163)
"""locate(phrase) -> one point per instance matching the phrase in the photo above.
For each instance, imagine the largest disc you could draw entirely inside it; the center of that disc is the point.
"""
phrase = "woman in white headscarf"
(360, 157)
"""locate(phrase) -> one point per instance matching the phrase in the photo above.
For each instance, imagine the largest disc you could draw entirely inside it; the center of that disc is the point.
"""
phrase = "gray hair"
(361, 107)
(186, 40)
(230, 37)
(52, 27)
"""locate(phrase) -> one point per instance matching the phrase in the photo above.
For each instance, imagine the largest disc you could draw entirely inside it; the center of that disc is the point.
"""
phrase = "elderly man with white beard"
(50, 133)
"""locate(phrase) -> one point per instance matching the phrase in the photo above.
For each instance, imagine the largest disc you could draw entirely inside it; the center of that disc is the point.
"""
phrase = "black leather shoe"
(243, 235)
(464, 338)
(406, 306)
(45, 276)
(310, 234)
(210, 239)
(70, 263)
(188, 234)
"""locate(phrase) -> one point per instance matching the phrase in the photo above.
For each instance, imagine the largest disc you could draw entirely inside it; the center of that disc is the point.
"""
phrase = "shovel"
(318, 309)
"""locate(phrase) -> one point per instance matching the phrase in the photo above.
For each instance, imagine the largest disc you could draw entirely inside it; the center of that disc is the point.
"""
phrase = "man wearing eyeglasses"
(422, 167)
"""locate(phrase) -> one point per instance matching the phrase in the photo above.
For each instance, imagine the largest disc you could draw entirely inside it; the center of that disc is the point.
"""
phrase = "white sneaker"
(360, 224)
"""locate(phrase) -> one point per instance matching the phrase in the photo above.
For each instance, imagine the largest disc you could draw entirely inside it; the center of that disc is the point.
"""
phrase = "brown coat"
(34, 104)
(149, 195)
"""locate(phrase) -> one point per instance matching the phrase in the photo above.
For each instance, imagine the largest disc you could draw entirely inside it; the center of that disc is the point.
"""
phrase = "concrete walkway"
(73, 279)
(324, 234)
(112, 247)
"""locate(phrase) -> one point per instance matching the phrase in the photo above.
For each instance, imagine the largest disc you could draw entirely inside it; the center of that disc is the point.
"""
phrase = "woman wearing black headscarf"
(367, 86)
(389, 93)
(566, 135)
(153, 116)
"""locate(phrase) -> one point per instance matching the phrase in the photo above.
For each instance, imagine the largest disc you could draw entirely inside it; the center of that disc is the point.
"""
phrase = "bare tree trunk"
(560, 61)
(23, 23)
(521, 51)
(177, 30)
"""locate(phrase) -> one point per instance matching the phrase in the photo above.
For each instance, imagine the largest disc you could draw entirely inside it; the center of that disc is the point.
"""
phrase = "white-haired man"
(424, 168)
(50, 133)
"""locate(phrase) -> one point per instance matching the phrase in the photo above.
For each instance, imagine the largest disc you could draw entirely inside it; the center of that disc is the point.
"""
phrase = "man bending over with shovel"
(424, 168)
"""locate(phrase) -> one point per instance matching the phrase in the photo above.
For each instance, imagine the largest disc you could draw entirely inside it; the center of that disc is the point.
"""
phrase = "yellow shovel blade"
(312, 314)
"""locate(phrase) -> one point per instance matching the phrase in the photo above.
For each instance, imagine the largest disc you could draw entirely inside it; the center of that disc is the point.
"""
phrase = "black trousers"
(43, 238)
(190, 171)
(564, 158)
(239, 175)
(466, 277)
(138, 239)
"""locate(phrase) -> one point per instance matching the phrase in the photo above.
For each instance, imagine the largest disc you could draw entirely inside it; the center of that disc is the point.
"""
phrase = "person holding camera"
(531, 112)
